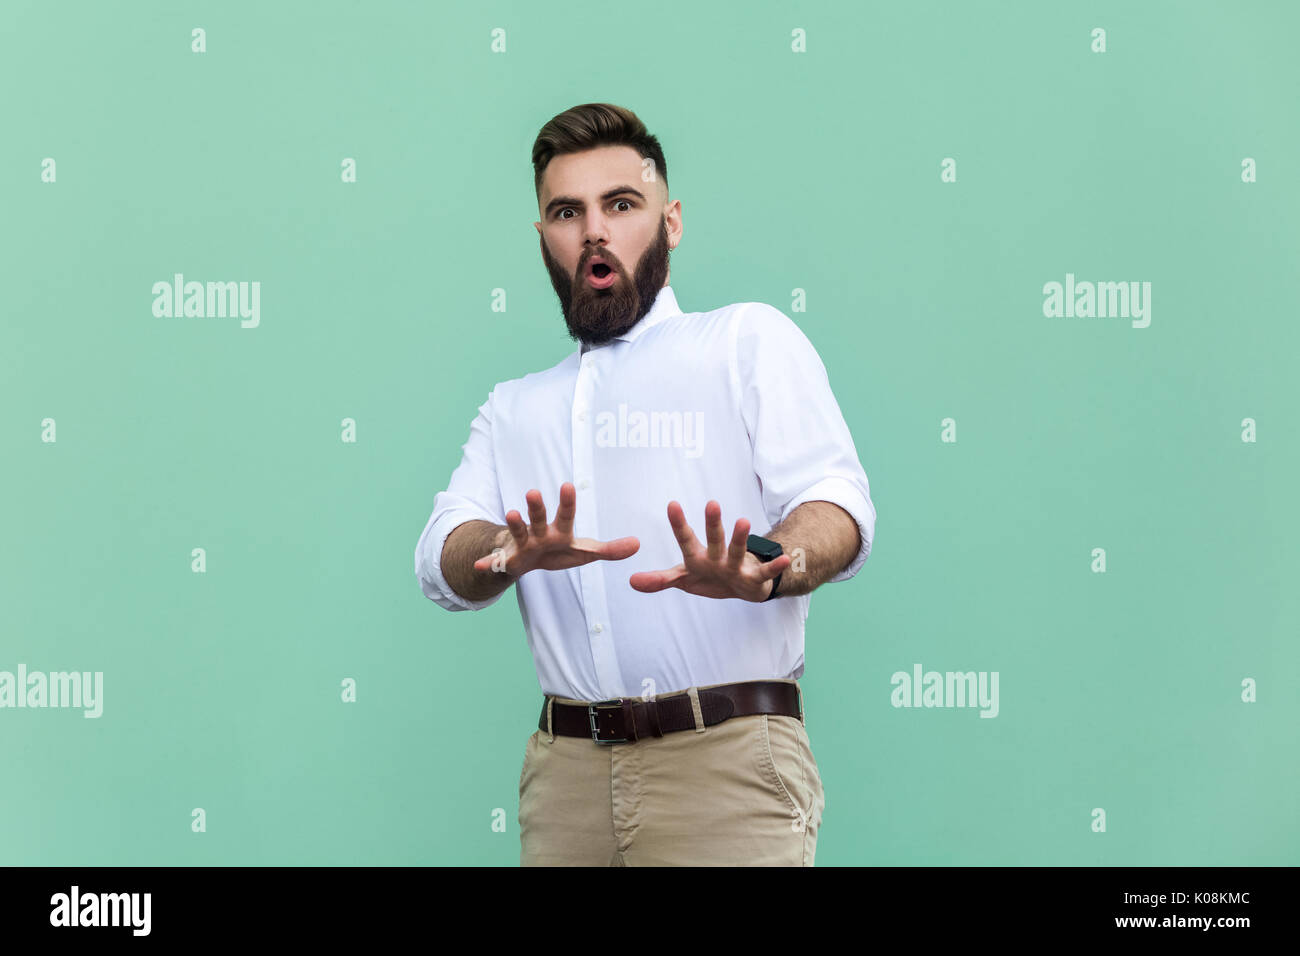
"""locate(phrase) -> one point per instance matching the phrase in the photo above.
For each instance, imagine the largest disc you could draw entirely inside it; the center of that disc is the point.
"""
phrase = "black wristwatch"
(765, 549)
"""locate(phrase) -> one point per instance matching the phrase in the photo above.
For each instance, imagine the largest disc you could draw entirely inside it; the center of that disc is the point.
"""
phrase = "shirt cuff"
(428, 560)
(849, 496)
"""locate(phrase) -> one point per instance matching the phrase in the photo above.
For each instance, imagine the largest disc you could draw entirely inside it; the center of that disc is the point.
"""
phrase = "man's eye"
(563, 210)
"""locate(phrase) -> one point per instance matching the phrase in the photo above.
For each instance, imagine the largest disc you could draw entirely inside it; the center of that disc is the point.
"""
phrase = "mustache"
(607, 258)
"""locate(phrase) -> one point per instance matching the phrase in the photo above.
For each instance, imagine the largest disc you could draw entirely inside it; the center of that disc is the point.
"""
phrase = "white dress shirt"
(732, 405)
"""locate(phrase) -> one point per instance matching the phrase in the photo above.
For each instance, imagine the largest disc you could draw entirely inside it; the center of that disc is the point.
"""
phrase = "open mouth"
(600, 275)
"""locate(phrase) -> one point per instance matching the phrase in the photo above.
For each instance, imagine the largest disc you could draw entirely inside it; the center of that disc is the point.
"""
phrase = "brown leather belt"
(624, 719)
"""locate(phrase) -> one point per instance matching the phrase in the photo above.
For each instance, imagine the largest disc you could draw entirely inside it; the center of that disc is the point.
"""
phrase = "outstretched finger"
(682, 531)
(518, 530)
(739, 543)
(536, 512)
(568, 507)
(713, 532)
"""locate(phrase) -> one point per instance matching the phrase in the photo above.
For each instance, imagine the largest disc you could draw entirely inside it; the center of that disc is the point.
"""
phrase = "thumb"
(620, 548)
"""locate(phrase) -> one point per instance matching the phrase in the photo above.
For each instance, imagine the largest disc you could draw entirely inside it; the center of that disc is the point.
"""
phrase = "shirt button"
(583, 484)
(597, 628)
(582, 416)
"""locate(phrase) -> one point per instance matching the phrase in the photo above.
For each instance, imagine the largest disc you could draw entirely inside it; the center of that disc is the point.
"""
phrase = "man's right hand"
(552, 547)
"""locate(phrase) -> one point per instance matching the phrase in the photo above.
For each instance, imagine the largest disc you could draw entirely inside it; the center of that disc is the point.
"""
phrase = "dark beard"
(597, 316)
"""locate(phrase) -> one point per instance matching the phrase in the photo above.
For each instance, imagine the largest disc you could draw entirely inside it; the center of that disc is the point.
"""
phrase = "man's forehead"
(593, 172)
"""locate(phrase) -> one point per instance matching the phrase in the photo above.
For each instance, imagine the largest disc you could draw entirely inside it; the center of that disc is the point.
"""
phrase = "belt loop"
(652, 714)
(694, 693)
(550, 726)
(800, 690)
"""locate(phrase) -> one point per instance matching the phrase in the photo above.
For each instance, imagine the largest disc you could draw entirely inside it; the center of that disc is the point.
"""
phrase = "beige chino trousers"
(745, 792)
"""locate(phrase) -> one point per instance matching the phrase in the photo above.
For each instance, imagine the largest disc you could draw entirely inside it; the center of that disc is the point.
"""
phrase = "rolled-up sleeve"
(472, 493)
(803, 450)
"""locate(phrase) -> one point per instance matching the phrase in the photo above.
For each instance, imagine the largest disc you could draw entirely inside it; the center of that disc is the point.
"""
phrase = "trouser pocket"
(786, 760)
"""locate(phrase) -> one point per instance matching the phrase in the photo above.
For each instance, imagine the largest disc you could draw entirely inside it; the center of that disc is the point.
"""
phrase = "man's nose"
(597, 232)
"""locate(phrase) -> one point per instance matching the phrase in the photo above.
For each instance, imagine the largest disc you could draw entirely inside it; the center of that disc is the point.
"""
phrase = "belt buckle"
(593, 719)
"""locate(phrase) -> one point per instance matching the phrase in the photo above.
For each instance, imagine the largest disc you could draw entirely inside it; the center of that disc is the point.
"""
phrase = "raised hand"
(550, 546)
(718, 571)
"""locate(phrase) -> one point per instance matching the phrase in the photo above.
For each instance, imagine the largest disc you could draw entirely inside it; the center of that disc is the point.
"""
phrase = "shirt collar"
(665, 307)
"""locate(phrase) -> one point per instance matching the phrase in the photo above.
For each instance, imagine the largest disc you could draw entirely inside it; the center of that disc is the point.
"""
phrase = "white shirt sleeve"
(471, 493)
(803, 450)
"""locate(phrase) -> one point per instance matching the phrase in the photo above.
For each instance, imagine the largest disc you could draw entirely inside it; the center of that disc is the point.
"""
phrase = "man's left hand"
(718, 570)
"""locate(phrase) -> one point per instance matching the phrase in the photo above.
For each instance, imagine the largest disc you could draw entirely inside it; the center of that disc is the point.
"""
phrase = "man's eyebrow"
(606, 195)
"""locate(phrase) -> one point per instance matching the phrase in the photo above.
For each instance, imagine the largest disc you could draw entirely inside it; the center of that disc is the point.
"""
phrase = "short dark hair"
(588, 126)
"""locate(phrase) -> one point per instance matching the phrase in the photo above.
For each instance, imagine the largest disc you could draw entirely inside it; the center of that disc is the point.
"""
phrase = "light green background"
(816, 171)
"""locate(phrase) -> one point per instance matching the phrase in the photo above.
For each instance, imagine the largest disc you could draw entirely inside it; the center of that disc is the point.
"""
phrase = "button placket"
(591, 575)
